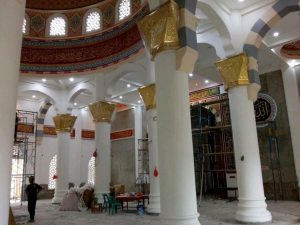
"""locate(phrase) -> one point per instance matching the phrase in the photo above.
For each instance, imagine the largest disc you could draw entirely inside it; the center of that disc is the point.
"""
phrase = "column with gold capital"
(64, 124)
(252, 207)
(102, 113)
(148, 94)
(163, 32)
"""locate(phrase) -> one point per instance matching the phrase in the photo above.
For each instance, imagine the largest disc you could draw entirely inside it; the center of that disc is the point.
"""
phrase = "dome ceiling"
(59, 4)
(86, 53)
(291, 50)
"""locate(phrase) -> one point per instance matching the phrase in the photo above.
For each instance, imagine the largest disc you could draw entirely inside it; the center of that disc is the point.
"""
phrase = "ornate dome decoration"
(81, 54)
(59, 4)
(291, 50)
(76, 18)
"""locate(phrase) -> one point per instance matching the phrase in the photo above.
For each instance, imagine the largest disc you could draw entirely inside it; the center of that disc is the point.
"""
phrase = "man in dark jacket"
(32, 190)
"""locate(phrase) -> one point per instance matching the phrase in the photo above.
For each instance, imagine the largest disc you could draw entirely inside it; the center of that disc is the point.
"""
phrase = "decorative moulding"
(64, 122)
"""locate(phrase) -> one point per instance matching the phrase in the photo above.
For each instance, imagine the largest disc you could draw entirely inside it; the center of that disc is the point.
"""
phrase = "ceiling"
(59, 4)
(291, 50)
(204, 75)
(243, 5)
(289, 31)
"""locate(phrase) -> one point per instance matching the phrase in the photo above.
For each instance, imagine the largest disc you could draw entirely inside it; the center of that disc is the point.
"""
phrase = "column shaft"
(252, 206)
(102, 143)
(138, 133)
(103, 160)
(177, 178)
(10, 50)
(62, 169)
(154, 197)
(293, 107)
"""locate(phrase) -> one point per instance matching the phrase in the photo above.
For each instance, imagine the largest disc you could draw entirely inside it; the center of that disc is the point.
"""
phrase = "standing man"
(32, 190)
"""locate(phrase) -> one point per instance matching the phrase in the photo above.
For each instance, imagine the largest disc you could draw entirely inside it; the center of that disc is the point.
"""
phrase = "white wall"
(27, 105)
(80, 150)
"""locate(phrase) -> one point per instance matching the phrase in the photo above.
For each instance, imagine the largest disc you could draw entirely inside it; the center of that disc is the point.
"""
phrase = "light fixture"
(276, 34)
(191, 75)
(75, 103)
(121, 97)
(292, 63)
(86, 108)
(206, 81)
(139, 101)
(33, 96)
(241, 0)
(71, 79)
(128, 85)
(44, 79)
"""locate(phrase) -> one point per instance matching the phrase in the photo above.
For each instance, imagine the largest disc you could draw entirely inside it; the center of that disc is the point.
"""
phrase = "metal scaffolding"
(214, 153)
(24, 154)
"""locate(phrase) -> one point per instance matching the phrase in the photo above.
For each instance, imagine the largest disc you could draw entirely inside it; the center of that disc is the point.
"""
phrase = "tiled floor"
(213, 212)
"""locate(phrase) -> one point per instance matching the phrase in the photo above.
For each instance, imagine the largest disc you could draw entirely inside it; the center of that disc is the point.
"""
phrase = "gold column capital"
(102, 111)
(64, 122)
(234, 70)
(159, 29)
(148, 94)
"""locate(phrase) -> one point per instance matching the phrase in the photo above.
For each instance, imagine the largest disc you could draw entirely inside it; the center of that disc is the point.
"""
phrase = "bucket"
(140, 209)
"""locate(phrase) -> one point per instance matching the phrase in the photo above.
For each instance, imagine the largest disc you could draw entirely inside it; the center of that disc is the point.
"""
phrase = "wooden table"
(139, 198)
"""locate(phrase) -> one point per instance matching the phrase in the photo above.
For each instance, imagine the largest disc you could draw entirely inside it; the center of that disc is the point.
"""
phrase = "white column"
(10, 50)
(154, 196)
(62, 169)
(148, 94)
(252, 205)
(76, 151)
(103, 145)
(103, 159)
(176, 164)
(291, 91)
(138, 133)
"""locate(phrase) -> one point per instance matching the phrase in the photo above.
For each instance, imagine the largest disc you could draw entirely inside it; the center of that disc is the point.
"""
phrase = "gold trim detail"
(102, 111)
(64, 122)
(148, 95)
(159, 29)
(234, 70)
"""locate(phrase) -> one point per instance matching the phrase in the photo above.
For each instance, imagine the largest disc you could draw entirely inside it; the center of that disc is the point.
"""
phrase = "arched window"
(124, 9)
(92, 21)
(25, 26)
(91, 170)
(57, 26)
(52, 173)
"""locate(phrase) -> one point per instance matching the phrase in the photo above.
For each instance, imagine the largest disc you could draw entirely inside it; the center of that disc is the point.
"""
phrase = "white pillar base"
(253, 211)
(154, 204)
(187, 220)
(58, 196)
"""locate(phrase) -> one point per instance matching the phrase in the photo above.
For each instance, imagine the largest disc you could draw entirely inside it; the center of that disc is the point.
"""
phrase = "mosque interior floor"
(213, 212)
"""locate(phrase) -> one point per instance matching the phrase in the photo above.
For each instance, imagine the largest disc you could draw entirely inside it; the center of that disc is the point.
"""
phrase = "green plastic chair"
(105, 205)
(113, 205)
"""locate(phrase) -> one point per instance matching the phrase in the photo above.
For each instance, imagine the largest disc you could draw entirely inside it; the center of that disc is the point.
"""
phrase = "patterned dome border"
(59, 4)
(38, 20)
(78, 55)
(291, 50)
